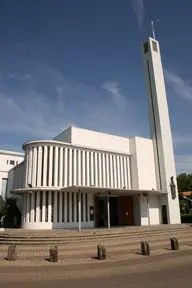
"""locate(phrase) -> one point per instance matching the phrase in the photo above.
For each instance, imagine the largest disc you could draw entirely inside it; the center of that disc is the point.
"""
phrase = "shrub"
(187, 218)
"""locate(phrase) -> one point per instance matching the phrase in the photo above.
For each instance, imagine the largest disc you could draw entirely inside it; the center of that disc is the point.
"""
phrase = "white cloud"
(184, 163)
(114, 88)
(138, 7)
(181, 87)
(19, 76)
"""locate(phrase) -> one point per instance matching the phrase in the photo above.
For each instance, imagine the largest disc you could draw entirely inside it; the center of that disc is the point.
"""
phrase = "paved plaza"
(167, 270)
(78, 266)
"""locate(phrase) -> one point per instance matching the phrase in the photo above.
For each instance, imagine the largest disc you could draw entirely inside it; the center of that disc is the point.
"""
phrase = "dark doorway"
(164, 214)
(114, 211)
(102, 207)
(103, 213)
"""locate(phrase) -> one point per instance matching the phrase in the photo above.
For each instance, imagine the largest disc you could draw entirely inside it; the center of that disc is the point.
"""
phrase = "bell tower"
(160, 129)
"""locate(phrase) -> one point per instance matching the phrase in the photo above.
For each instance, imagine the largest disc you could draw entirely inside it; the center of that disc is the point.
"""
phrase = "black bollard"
(101, 252)
(12, 253)
(54, 254)
(174, 244)
(145, 248)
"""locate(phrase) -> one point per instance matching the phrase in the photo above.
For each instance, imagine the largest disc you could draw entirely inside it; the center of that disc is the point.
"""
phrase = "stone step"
(65, 240)
(78, 234)
(119, 230)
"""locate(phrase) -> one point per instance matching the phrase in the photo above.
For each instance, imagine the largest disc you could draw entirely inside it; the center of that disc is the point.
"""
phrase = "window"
(154, 46)
(16, 162)
(7, 161)
(4, 187)
(146, 47)
(12, 162)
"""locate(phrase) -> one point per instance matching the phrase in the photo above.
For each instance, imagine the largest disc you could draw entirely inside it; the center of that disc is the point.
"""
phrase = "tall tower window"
(154, 46)
(146, 47)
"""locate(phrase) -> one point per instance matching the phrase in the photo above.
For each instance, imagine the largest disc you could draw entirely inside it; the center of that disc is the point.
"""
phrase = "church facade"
(86, 179)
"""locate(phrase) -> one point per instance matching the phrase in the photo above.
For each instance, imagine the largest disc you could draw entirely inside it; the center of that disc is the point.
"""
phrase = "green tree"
(184, 182)
(10, 211)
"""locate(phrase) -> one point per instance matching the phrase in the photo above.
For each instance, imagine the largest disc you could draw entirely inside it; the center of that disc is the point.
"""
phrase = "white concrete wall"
(150, 210)
(144, 210)
(5, 167)
(160, 126)
(99, 140)
(154, 208)
(142, 164)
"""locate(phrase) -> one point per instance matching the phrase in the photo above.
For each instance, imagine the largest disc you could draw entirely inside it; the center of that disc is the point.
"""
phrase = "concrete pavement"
(167, 270)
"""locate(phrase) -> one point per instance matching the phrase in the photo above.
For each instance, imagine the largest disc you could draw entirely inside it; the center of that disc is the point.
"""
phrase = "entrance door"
(114, 211)
(102, 211)
(126, 210)
(164, 214)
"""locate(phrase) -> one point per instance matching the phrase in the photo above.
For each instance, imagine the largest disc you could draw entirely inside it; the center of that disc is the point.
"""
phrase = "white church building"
(86, 179)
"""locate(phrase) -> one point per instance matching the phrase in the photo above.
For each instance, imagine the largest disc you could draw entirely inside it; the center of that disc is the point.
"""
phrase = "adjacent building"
(8, 160)
(86, 179)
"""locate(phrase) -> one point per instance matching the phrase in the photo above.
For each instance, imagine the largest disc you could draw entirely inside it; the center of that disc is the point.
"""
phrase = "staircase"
(80, 246)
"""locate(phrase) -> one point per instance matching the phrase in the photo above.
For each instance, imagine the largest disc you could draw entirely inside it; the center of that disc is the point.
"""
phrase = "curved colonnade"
(52, 165)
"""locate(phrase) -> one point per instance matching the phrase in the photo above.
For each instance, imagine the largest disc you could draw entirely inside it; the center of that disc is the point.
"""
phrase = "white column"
(66, 167)
(121, 173)
(27, 209)
(108, 212)
(107, 170)
(96, 169)
(115, 171)
(83, 168)
(65, 206)
(74, 206)
(55, 207)
(43, 207)
(148, 210)
(70, 207)
(56, 167)
(79, 194)
(70, 168)
(125, 173)
(49, 206)
(92, 168)
(99, 170)
(38, 207)
(129, 173)
(39, 167)
(79, 168)
(87, 169)
(34, 169)
(103, 170)
(50, 165)
(27, 167)
(45, 167)
(74, 176)
(84, 208)
(32, 206)
(29, 181)
(60, 206)
(24, 208)
(61, 168)
(118, 173)
(111, 171)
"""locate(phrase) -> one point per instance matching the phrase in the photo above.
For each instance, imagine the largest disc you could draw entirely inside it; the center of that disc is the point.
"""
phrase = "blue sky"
(72, 62)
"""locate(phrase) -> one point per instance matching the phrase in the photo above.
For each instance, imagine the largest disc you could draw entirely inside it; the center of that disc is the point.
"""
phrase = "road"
(162, 271)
